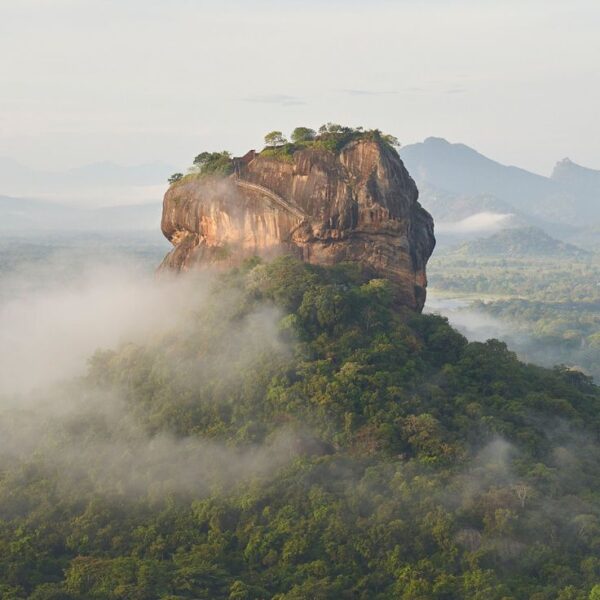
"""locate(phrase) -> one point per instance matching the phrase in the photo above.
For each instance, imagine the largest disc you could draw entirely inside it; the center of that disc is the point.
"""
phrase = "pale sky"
(142, 80)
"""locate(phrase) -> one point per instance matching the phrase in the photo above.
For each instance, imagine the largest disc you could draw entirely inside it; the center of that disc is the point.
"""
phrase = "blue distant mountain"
(107, 173)
(574, 176)
(29, 215)
(98, 184)
(452, 175)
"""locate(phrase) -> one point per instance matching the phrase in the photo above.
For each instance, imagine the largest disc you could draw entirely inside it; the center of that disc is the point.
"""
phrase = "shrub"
(175, 178)
(303, 134)
(214, 163)
(275, 138)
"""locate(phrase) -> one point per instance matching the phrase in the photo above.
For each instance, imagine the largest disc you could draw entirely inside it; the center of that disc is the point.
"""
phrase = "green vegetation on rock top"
(330, 137)
(217, 164)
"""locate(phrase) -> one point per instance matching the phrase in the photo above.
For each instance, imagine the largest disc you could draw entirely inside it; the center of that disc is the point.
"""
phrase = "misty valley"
(547, 309)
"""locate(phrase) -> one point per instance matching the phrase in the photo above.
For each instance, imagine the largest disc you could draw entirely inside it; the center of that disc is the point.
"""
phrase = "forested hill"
(300, 436)
(526, 242)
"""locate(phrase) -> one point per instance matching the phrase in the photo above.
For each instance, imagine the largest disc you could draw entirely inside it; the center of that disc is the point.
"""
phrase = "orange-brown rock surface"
(359, 204)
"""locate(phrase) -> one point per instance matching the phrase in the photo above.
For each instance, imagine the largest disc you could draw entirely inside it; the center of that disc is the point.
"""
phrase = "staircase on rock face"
(279, 200)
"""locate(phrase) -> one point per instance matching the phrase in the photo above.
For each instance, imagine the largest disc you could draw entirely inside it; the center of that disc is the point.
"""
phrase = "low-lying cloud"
(91, 438)
(479, 222)
(88, 441)
(51, 322)
(473, 324)
(478, 326)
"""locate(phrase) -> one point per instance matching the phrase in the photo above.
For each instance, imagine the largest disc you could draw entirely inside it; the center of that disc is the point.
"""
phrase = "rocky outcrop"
(359, 204)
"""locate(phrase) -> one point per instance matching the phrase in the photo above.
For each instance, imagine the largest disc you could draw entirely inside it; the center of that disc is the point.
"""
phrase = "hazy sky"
(139, 80)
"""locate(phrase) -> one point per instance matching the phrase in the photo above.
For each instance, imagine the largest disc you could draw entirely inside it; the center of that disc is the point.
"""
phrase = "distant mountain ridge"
(571, 174)
(571, 195)
(23, 214)
(103, 183)
(101, 173)
(458, 185)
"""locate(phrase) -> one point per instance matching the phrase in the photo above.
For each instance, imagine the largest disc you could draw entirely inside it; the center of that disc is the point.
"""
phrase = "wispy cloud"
(482, 221)
(281, 99)
(358, 92)
(405, 90)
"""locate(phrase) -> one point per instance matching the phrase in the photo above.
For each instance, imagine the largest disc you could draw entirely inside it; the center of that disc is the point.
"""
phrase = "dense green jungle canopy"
(301, 436)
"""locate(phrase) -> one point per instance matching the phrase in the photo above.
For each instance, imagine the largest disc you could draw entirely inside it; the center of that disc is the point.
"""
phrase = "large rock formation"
(359, 204)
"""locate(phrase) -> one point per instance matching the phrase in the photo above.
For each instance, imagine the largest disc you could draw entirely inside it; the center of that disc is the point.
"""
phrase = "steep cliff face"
(359, 204)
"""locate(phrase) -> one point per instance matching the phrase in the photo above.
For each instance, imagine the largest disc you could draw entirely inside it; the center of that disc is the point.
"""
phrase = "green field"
(548, 308)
